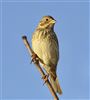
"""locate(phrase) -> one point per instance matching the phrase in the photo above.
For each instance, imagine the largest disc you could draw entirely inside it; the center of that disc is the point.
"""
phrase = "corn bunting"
(46, 47)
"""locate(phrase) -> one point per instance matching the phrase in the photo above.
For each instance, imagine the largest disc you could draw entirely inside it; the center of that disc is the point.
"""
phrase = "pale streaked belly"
(46, 50)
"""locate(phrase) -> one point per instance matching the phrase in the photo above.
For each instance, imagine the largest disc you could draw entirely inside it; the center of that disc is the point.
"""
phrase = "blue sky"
(20, 79)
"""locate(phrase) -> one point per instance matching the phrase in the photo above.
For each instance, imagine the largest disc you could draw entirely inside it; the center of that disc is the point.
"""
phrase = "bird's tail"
(55, 85)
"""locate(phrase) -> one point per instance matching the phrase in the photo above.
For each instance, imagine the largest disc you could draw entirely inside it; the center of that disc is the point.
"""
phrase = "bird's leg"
(35, 58)
(45, 78)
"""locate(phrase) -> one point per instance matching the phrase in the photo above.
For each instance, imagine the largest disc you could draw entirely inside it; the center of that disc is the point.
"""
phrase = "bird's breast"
(45, 47)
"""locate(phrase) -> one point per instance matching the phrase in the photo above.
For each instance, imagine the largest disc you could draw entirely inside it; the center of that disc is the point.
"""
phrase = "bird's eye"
(46, 19)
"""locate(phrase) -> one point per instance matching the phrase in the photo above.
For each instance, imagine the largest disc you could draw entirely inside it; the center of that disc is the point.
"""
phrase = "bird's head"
(46, 22)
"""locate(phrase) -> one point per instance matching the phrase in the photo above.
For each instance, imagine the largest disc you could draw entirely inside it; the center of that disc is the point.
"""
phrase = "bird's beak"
(53, 21)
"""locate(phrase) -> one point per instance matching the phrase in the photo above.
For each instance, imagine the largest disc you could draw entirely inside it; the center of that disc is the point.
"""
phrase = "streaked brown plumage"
(45, 45)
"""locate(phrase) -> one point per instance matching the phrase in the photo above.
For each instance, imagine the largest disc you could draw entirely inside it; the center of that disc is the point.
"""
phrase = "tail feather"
(55, 85)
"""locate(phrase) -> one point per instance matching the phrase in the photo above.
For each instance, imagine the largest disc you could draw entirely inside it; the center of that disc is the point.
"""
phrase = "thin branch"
(39, 68)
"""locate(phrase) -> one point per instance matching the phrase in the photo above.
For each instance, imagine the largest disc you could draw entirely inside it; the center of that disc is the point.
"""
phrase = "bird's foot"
(35, 58)
(45, 78)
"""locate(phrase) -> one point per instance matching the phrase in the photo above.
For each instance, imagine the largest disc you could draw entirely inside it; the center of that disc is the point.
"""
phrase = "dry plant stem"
(39, 68)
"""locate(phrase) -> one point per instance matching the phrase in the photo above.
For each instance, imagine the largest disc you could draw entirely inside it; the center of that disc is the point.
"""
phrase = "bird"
(46, 46)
